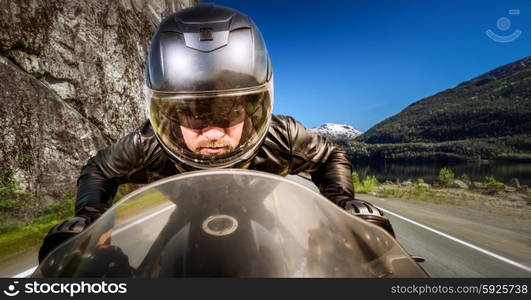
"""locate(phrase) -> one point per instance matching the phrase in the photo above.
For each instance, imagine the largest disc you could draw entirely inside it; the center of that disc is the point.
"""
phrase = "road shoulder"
(507, 235)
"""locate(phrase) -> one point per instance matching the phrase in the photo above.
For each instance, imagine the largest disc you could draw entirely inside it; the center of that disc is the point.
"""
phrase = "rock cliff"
(71, 82)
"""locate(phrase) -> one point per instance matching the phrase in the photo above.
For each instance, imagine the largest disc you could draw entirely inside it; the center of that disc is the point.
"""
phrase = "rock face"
(336, 132)
(71, 80)
(55, 138)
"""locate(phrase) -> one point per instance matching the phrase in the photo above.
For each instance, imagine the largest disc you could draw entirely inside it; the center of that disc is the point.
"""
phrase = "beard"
(214, 147)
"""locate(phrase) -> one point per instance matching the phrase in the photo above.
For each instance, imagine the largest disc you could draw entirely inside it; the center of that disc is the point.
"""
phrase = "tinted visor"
(213, 112)
(203, 112)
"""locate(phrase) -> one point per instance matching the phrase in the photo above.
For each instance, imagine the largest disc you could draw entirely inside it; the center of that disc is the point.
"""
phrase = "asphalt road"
(446, 255)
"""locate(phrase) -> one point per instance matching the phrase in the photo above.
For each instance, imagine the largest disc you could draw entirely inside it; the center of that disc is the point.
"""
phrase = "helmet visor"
(220, 112)
(211, 129)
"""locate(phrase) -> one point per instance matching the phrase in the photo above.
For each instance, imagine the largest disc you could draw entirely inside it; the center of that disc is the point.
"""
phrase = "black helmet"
(210, 87)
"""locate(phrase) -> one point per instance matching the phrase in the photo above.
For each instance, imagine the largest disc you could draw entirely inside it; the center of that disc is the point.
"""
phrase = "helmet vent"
(205, 34)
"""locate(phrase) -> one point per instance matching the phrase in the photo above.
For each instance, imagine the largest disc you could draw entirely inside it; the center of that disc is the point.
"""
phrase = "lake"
(502, 171)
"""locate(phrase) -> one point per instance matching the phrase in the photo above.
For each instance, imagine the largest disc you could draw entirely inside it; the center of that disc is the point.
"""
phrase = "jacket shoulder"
(308, 150)
(281, 121)
(130, 154)
(279, 132)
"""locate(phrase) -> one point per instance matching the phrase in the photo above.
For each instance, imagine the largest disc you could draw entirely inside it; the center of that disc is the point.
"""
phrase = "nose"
(213, 133)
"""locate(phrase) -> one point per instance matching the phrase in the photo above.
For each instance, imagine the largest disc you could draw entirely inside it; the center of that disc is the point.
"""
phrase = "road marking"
(121, 229)
(487, 252)
(30, 271)
(26, 273)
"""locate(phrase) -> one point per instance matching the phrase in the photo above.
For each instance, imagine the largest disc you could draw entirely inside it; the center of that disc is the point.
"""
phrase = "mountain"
(336, 132)
(487, 117)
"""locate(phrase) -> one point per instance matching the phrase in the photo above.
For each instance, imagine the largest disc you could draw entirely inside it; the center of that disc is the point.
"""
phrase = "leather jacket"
(288, 148)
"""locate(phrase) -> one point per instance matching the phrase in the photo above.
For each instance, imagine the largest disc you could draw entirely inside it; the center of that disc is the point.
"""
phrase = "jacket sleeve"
(119, 163)
(327, 163)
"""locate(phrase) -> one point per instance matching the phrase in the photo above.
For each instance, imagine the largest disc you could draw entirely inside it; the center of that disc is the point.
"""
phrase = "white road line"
(29, 271)
(26, 273)
(121, 229)
(489, 253)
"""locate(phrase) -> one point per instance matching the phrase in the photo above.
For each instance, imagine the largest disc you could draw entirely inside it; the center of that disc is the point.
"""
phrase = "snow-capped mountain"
(336, 132)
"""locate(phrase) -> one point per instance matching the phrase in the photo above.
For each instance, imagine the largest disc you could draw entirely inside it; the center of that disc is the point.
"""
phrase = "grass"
(388, 192)
(424, 194)
(493, 185)
(140, 202)
(414, 192)
(17, 237)
(365, 186)
(446, 176)
(441, 192)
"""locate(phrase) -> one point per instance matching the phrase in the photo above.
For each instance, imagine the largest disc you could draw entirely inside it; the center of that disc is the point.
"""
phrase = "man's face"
(212, 140)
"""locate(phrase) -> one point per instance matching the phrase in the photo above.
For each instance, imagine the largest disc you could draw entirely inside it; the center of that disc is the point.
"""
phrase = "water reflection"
(502, 171)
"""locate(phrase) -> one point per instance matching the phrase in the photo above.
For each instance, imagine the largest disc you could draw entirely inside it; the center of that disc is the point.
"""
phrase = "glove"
(368, 212)
(107, 261)
(69, 228)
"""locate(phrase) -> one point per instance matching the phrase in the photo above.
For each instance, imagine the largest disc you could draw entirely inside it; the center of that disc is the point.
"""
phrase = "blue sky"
(360, 62)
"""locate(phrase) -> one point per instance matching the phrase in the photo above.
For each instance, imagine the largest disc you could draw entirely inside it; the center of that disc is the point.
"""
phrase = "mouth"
(212, 150)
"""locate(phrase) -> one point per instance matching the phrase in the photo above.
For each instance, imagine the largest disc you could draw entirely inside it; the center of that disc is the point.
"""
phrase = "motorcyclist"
(210, 97)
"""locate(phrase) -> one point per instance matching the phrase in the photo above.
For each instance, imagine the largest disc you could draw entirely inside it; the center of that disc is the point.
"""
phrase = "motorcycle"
(229, 223)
